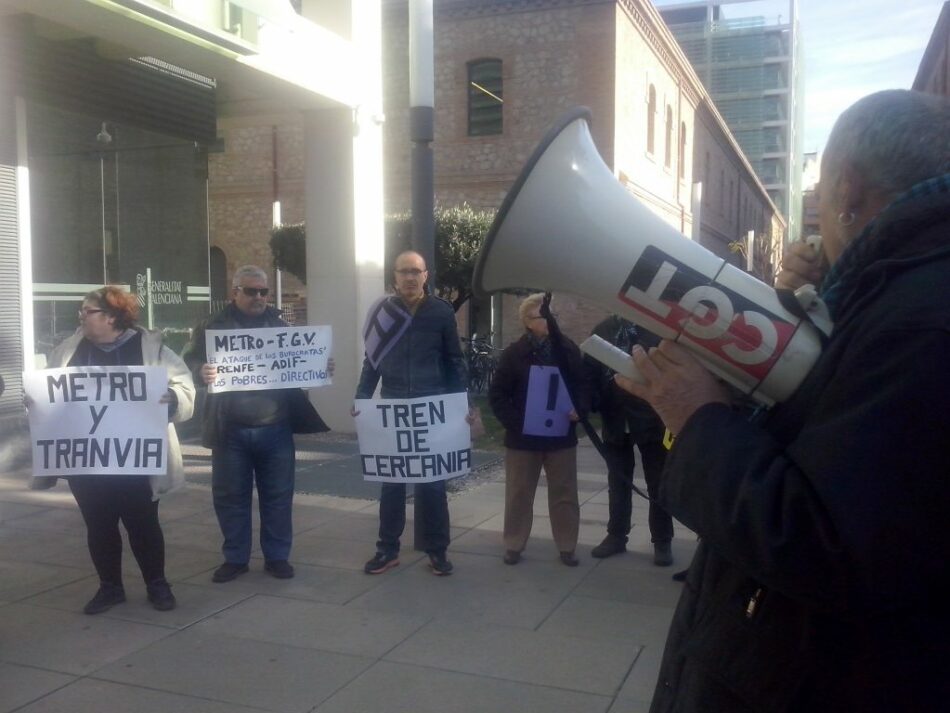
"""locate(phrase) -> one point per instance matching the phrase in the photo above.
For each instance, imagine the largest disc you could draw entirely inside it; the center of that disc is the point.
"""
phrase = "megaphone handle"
(612, 357)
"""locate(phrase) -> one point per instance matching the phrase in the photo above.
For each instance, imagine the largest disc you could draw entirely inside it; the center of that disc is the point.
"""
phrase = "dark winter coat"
(820, 583)
(426, 361)
(620, 411)
(509, 393)
(303, 416)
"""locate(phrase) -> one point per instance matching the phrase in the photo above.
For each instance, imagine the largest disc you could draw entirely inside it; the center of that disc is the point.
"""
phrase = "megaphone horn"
(567, 225)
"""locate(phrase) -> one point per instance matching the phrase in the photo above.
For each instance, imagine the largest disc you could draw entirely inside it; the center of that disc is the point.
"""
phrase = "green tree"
(288, 245)
(459, 234)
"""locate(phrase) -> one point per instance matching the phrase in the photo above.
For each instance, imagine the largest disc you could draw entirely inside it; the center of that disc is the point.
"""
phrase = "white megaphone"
(567, 225)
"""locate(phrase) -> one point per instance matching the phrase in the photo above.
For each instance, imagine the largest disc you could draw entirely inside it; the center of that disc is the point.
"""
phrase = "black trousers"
(431, 505)
(621, 462)
(103, 502)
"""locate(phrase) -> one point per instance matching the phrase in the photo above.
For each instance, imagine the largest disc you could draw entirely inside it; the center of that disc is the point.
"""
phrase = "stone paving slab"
(314, 625)
(411, 689)
(535, 637)
(91, 696)
(195, 603)
(21, 684)
(66, 642)
(330, 585)
(19, 580)
(578, 664)
(483, 589)
(233, 670)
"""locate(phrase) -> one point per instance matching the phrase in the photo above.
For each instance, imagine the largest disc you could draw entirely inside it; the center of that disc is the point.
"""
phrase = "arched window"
(682, 157)
(668, 153)
(484, 97)
(651, 119)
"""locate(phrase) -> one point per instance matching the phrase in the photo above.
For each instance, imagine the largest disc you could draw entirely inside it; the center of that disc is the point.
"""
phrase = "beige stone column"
(344, 214)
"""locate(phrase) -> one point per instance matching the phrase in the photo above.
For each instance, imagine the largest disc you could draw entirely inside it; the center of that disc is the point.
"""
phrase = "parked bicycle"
(481, 359)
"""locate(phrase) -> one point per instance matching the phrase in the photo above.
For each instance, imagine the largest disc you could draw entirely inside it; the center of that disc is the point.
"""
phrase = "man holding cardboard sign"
(250, 431)
(412, 345)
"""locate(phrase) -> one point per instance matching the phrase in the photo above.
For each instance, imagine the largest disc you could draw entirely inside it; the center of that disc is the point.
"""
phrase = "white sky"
(852, 48)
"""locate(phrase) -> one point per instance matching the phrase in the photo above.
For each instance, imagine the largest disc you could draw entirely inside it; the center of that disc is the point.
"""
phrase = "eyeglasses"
(539, 316)
(86, 311)
(410, 272)
(255, 291)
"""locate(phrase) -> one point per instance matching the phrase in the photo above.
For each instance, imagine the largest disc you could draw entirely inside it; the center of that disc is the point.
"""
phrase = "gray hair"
(894, 139)
(530, 302)
(247, 271)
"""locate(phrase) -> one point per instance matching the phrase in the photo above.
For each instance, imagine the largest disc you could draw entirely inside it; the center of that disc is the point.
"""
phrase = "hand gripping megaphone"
(567, 225)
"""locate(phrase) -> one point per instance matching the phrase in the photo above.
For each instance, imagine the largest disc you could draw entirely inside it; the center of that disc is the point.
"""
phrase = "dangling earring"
(845, 219)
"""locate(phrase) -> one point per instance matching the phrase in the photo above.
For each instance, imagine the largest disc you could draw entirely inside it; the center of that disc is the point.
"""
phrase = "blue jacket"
(426, 361)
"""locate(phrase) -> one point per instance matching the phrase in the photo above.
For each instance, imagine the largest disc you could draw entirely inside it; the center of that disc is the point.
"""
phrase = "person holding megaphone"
(819, 583)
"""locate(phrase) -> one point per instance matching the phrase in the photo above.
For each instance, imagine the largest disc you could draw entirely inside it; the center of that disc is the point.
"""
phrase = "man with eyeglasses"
(425, 360)
(250, 434)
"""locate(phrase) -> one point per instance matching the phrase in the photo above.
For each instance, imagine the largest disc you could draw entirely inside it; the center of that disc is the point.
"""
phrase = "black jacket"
(620, 411)
(303, 416)
(508, 394)
(426, 361)
(820, 583)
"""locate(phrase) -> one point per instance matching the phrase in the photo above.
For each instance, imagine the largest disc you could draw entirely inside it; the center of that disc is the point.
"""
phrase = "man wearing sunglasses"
(250, 434)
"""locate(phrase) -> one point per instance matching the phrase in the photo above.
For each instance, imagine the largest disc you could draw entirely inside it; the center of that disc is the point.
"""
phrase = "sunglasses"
(255, 291)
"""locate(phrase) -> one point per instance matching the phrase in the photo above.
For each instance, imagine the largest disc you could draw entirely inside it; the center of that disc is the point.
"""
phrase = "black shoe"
(228, 571)
(282, 569)
(680, 576)
(107, 597)
(381, 562)
(612, 545)
(511, 557)
(662, 554)
(568, 558)
(160, 595)
(440, 566)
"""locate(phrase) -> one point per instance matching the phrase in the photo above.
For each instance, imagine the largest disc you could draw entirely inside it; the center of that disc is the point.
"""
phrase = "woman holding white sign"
(529, 397)
(108, 336)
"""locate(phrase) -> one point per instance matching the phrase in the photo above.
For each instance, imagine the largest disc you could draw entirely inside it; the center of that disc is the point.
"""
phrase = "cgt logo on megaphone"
(712, 316)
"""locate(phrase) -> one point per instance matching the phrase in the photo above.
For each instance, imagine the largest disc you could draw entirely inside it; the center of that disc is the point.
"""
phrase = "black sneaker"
(511, 557)
(440, 566)
(107, 597)
(160, 595)
(680, 576)
(228, 571)
(612, 545)
(662, 554)
(568, 559)
(381, 562)
(282, 569)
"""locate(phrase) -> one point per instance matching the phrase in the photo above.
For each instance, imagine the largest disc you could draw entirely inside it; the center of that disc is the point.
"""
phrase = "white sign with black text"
(419, 440)
(98, 420)
(269, 358)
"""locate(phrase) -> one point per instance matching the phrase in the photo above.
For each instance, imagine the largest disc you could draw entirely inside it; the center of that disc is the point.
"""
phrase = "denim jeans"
(431, 505)
(245, 455)
(620, 466)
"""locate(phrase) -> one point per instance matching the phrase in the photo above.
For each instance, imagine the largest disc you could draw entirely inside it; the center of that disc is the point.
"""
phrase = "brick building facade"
(614, 56)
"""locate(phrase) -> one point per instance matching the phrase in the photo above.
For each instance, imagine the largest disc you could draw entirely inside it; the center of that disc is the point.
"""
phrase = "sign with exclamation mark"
(548, 404)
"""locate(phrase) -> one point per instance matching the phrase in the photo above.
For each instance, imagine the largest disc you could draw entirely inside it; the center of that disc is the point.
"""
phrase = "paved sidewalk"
(538, 636)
